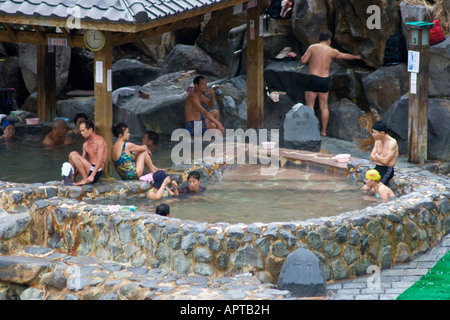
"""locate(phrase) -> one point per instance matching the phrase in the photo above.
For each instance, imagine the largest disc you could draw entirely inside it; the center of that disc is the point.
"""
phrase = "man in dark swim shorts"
(318, 57)
(318, 84)
(191, 124)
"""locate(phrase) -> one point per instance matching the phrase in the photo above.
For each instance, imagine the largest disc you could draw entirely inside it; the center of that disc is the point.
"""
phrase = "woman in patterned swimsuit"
(129, 159)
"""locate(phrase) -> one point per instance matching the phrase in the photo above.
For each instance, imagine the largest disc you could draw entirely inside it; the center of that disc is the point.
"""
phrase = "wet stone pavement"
(88, 278)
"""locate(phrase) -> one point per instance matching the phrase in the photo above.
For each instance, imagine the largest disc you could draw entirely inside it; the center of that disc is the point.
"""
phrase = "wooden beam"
(67, 35)
(11, 32)
(33, 37)
(39, 32)
(46, 84)
(103, 106)
(121, 38)
(255, 71)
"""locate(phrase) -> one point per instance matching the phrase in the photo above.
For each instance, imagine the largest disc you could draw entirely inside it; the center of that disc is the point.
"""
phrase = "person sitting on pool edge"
(194, 184)
(9, 130)
(160, 186)
(129, 159)
(382, 191)
(95, 149)
(163, 210)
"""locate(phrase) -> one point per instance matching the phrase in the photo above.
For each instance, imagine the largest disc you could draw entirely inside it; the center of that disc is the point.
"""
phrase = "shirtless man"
(95, 147)
(318, 57)
(194, 111)
(384, 153)
(58, 134)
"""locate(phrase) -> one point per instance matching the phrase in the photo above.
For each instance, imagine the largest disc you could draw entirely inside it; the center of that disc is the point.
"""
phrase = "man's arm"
(209, 102)
(386, 158)
(345, 56)
(305, 58)
(197, 105)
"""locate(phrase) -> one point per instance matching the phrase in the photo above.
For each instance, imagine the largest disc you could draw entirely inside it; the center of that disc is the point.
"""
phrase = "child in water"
(160, 186)
(382, 191)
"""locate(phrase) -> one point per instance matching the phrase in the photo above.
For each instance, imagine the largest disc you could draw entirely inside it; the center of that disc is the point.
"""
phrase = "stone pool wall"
(347, 244)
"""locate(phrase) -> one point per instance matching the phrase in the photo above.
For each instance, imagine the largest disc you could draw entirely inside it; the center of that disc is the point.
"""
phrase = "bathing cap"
(380, 126)
(373, 175)
(7, 123)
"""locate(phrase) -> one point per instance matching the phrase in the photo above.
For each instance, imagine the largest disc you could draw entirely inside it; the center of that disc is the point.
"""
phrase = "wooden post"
(255, 65)
(103, 106)
(418, 67)
(46, 83)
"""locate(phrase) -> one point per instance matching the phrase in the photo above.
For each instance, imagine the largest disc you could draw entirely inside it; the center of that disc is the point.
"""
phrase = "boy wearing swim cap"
(382, 192)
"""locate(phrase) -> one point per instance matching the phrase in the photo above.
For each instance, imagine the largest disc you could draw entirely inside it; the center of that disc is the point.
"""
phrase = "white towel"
(67, 169)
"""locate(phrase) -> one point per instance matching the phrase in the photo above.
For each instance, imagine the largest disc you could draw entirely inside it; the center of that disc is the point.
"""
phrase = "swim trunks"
(125, 166)
(317, 84)
(191, 124)
(386, 173)
(97, 175)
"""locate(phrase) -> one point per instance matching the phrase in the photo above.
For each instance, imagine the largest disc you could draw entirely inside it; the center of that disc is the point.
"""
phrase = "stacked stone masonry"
(55, 216)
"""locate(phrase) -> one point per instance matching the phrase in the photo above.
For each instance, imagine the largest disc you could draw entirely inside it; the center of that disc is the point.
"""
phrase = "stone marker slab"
(302, 274)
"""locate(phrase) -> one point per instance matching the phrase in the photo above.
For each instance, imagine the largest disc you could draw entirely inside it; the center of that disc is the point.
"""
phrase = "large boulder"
(214, 38)
(130, 72)
(186, 57)
(439, 69)
(309, 17)
(28, 58)
(156, 47)
(353, 34)
(384, 86)
(231, 98)
(162, 111)
(438, 142)
(68, 108)
(347, 121)
(301, 129)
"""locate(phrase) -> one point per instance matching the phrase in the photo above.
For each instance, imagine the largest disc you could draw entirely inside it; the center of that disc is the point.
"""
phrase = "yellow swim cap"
(373, 175)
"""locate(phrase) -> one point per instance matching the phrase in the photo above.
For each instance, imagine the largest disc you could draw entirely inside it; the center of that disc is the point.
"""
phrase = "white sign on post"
(413, 61)
(413, 83)
(99, 71)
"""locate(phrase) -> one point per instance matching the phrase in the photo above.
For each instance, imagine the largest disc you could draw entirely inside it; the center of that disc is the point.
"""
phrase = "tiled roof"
(114, 11)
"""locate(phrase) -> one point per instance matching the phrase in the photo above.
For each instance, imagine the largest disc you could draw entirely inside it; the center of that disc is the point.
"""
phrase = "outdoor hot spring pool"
(242, 195)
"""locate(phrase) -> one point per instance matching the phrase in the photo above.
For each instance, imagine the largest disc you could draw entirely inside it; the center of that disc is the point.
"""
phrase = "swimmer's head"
(7, 123)
(373, 175)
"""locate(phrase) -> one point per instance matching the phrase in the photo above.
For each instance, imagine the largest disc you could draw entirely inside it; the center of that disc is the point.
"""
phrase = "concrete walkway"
(388, 284)
(382, 284)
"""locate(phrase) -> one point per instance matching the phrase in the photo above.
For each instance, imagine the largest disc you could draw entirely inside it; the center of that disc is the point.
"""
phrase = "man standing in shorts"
(194, 111)
(318, 57)
(95, 147)
(384, 153)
